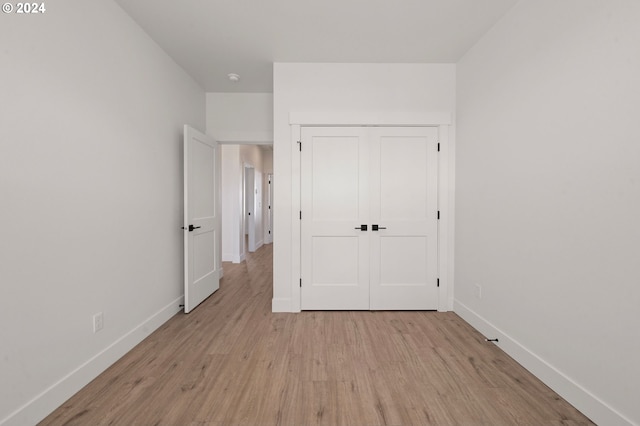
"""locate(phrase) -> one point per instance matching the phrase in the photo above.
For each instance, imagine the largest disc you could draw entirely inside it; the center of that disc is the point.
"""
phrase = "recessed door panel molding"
(335, 261)
(404, 180)
(204, 243)
(336, 178)
(369, 229)
(404, 263)
(202, 186)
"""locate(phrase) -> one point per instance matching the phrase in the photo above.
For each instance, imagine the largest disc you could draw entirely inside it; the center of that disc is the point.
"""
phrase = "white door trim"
(371, 118)
(446, 186)
(268, 196)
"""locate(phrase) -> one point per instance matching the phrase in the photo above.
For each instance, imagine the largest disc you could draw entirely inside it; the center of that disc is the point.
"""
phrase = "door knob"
(191, 228)
(376, 227)
(361, 227)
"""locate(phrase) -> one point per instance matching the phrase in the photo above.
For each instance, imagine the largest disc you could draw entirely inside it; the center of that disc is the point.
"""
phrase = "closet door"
(403, 197)
(369, 225)
(335, 204)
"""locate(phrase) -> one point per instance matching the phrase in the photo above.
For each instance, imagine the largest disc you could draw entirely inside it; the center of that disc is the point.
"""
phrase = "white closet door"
(335, 203)
(386, 180)
(404, 173)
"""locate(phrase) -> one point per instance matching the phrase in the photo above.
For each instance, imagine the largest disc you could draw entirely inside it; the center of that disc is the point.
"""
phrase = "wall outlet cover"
(98, 322)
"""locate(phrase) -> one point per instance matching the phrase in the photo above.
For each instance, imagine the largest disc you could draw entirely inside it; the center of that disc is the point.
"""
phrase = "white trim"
(590, 405)
(233, 258)
(446, 172)
(268, 196)
(280, 305)
(446, 166)
(296, 206)
(55, 395)
(450, 215)
(243, 137)
(373, 118)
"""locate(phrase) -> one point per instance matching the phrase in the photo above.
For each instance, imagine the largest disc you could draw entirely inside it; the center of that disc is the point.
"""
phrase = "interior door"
(404, 209)
(335, 204)
(202, 257)
(369, 218)
(250, 207)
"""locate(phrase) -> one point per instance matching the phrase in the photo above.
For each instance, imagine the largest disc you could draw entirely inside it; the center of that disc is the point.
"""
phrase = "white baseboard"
(51, 398)
(259, 244)
(227, 257)
(280, 305)
(590, 405)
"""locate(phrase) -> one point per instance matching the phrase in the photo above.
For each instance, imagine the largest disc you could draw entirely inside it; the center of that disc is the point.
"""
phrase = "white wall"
(240, 117)
(335, 88)
(548, 197)
(91, 123)
(231, 199)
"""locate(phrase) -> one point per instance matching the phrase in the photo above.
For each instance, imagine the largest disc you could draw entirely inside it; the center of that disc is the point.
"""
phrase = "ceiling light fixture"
(234, 77)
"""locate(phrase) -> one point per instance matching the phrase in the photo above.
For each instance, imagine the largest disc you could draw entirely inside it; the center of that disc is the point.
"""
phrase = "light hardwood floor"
(233, 362)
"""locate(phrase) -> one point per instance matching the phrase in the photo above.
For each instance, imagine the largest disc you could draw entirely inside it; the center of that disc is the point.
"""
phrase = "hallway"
(233, 362)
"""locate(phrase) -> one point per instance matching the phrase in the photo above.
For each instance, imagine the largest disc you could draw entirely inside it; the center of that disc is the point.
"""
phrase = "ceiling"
(212, 38)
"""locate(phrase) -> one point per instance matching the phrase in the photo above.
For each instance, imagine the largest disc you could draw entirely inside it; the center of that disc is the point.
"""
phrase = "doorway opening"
(245, 199)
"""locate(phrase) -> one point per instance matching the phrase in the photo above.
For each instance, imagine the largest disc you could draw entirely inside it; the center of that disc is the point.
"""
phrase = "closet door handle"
(361, 227)
(191, 228)
(376, 227)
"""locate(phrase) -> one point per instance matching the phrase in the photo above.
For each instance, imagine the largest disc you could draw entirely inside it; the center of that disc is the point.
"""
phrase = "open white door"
(202, 224)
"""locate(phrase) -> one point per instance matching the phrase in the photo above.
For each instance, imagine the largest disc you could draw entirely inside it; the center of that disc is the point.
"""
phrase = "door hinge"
(300, 282)
(269, 207)
(300, 214)
(438, 214)
(438, 146)
(300, 145)
(269, 232)
(438, 282)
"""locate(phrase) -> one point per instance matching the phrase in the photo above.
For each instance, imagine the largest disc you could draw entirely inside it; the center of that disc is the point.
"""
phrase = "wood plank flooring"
(233, 362)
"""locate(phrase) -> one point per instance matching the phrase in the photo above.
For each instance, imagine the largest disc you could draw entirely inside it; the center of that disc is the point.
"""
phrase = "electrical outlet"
(477, 291)
(98, 322)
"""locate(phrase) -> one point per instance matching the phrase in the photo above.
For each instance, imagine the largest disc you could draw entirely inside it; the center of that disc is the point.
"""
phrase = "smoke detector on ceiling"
(234, 77)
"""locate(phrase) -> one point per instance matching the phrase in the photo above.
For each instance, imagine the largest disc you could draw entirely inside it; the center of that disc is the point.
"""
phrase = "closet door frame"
(446, 175)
